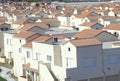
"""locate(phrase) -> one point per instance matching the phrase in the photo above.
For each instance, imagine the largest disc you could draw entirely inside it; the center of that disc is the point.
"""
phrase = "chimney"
(55, 39)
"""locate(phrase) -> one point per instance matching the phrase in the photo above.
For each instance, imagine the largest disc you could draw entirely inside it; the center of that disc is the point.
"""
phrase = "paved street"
(5, 75)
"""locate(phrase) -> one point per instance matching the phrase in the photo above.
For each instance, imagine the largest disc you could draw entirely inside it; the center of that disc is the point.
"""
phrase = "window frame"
(49, 58)
(28, 54)
(90, 62)
(113, 59)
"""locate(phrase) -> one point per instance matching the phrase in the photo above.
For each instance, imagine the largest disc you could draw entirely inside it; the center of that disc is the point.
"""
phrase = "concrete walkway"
(5, 74)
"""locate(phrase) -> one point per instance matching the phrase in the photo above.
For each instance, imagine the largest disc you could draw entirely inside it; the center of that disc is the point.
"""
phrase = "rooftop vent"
(55, 39)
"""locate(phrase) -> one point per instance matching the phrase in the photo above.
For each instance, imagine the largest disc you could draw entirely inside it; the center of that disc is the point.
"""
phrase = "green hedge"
(2, 79)
(0, 70)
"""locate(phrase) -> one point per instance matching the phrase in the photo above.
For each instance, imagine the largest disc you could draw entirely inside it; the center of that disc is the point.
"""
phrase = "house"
(19, 39)
(42, 51)
(8, 47)
(51, 22)
(114, 29)
(73, 19)
(104, 50)
(89, 64)
(38, 27)
(21, 22)
(31, 69)
(101, 35)
(90, 25)
(106, 20)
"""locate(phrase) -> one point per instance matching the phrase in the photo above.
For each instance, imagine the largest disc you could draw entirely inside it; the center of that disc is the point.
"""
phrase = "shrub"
(2, 79)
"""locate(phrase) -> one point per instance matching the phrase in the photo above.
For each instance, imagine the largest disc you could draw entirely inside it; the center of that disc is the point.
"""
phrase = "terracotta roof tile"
(88, 33)
(42, 38)
(49, 20)
(31, 25)
(38, 39)
(82, 15)
(85, 42)
(94, 18)
(3, 19)
(88, 24)
(113, 27)
(24, 34)
(20, 21)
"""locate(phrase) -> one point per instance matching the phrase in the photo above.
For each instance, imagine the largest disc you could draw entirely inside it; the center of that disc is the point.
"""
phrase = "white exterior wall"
(8, 44)
(14, 17)
(45, 75)
(111, 13)
(1, 13)
(113, 31)
(44, 50)
(33, 62)
(69, 54)
(14, 26)
(19, 59)
(85, 20)
(72, 21)
(63, 20)
(24, 53)
(105, 23)
(81, 28)
(77, 21)
(60, 72)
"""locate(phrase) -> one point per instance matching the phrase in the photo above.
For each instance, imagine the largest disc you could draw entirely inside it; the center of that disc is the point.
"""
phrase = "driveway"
(5, 74)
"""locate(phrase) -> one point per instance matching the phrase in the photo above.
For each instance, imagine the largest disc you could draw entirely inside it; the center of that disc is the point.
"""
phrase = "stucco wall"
(82, 72)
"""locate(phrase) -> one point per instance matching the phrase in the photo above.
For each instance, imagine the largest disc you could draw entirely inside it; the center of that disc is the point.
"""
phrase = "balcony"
(22, 78)
(2, 59)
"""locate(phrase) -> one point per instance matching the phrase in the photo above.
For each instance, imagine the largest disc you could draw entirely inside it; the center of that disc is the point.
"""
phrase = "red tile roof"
(31, 25)
(25, 34)
(20, 21)
(113, 27)
(85, 42)
(88, 33)
(49, 20)
(88, 24)
(38, 39)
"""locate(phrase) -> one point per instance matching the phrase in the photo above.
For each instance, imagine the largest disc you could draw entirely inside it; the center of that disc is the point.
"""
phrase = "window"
(89, 62)
(2, 29)
(6, 28)
(28, 54)
(38, 56)
(10, 54)
(68, 62)
(9, 42)
(20, 41)
(73, 23)
(49, 58)
(20, 50)
(116, 34)
(113, 59)
(63, 23)
(69, 49)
